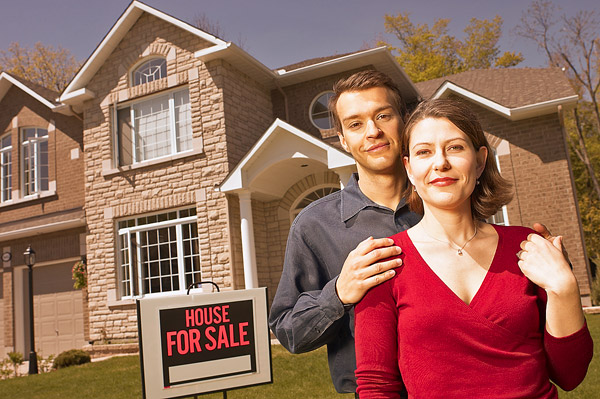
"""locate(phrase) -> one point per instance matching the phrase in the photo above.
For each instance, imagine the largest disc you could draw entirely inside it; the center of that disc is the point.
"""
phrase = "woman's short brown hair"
(493, 191)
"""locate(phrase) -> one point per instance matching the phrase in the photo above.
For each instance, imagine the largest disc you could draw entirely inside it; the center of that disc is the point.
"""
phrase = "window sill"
(120, 303)
(107, 172)
(29, 198)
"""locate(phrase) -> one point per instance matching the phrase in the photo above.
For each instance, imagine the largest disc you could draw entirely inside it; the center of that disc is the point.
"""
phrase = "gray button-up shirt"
(306, 312)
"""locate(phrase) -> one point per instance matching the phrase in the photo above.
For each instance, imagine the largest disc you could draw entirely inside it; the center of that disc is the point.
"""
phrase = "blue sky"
(276, 33)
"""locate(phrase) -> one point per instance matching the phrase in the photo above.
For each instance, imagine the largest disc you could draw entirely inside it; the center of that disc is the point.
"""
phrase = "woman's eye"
(421, 152)
(456, 147)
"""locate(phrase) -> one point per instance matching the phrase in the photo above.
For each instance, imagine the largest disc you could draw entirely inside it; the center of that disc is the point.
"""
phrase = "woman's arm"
(567, 340)
(376, 342)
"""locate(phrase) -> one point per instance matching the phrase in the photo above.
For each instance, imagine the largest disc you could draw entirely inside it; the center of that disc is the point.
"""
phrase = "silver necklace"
(459, 250)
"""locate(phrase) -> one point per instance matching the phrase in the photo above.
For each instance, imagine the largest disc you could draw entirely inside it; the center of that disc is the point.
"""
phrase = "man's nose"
(372, 129)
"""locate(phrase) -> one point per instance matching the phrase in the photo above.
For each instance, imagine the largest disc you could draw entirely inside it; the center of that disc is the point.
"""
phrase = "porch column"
(248, 250)
(344, 173)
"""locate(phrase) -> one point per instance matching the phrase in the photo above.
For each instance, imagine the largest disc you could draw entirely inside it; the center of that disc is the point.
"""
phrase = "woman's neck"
(456, 225)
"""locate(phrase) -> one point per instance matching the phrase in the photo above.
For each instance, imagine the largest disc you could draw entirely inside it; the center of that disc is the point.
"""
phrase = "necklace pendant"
(459, 252)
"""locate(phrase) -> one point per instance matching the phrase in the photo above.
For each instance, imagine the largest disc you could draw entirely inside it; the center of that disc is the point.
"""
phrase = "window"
(5, 168)
(501, 217)
(304, 200)
(149, 71)
(158, 253)
(162, 126)
(319, 111)
(35, 160)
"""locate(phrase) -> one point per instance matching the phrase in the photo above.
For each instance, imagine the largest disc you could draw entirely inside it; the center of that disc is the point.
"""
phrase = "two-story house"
(197, 158)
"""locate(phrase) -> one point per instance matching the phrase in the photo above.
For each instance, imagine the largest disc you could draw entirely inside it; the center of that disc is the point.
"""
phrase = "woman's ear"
(406, 162)
(481, 160)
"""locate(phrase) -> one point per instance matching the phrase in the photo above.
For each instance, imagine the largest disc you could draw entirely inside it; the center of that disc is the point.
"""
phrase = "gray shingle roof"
(510, 87)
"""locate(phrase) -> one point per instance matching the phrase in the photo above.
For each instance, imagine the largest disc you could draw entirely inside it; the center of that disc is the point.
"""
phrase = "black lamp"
(29, 256)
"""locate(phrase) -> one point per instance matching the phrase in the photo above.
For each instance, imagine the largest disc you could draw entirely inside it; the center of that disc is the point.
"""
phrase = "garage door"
(58, 310)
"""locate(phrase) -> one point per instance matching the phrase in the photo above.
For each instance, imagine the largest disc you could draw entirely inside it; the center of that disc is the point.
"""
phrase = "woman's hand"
(542, 261)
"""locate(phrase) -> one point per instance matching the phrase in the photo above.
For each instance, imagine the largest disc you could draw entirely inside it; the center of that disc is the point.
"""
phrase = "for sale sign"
(200, 343)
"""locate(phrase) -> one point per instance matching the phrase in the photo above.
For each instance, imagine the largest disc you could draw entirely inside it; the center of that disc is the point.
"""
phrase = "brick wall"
(537, 165)
(18, 110)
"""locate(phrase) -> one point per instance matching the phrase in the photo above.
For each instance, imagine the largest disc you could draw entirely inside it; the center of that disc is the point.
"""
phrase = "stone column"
(248, 249)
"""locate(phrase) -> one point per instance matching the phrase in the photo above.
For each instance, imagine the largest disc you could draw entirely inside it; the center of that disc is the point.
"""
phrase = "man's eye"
(354, 125)
(383, 116)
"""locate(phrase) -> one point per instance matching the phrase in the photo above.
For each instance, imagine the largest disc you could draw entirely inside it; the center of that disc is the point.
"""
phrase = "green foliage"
(589, 203)
(596, 288)
(45, 363)
(5, 368)
(16, 359)
(431, 52)
(71, 357)
(79, 275)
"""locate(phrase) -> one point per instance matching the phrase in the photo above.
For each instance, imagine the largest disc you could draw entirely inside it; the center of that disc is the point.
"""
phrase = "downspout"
(285, 101)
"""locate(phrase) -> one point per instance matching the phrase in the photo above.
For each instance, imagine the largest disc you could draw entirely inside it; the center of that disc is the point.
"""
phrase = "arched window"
(149, 71)
(310, 196)
(319, 111)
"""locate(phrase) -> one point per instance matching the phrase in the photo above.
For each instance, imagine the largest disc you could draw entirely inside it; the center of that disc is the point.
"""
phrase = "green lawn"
(295, 376)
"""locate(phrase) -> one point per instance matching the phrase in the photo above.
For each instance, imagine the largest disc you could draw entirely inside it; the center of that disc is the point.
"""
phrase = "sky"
(276, 33)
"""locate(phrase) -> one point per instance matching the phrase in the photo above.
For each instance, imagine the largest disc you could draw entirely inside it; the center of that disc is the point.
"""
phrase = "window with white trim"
(501, 217)
(158, 253)
(5, 168)
(34, 144)
(319, 111)
(149, 71)
(310, 196)
(154, 127)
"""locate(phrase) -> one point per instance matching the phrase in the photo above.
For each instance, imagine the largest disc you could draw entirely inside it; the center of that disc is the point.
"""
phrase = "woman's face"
(442, 164)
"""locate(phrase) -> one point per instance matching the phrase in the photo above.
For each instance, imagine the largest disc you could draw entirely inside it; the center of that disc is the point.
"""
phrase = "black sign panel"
(203, 342)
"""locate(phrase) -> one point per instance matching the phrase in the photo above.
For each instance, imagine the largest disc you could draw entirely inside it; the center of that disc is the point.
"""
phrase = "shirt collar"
(353, 200)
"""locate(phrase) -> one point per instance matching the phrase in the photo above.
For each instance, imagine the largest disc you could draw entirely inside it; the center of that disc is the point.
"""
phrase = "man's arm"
(306, 312)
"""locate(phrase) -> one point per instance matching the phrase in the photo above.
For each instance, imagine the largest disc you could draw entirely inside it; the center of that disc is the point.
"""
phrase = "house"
(197, 158)
(41, 205)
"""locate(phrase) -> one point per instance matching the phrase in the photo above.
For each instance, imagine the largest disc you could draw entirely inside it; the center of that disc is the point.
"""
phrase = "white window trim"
(293, 214)
(37, 192)
(5, 150)
(137, 66)
(172, 130)
(312, 103)
(127, 231)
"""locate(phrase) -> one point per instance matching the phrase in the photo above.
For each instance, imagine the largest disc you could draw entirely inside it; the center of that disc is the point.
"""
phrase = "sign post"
(200, 343)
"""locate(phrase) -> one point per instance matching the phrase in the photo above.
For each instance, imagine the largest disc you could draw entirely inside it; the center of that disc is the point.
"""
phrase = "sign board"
(199, 343)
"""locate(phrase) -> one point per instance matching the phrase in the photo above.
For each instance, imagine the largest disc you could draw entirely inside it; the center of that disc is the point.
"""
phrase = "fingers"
(542, 229)
(370, 244)
(378, 279)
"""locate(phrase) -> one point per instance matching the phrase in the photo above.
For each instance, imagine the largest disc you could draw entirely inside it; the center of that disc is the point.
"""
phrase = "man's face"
(371, 130)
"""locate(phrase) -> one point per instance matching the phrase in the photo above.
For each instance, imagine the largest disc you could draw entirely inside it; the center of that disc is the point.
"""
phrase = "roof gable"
(76, 89)
(42, 94)
(516, 93)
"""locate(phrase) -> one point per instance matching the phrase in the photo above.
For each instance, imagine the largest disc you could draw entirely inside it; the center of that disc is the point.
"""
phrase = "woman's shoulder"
(513, 233)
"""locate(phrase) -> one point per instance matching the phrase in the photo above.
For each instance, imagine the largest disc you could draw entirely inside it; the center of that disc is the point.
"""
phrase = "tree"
(573, 44)
(47, 66)
(431, 52)
(203, 22)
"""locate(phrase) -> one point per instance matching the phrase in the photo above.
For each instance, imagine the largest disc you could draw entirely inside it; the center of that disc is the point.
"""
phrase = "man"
(331, 258)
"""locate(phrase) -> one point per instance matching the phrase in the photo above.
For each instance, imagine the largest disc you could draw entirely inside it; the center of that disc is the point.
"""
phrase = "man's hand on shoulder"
(365, 267)
(544, 232)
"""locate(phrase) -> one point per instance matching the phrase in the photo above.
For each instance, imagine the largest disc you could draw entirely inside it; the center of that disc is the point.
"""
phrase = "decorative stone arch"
(306, 186)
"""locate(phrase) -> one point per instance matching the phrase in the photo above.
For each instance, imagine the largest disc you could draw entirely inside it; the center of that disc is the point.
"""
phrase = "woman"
(470, 314)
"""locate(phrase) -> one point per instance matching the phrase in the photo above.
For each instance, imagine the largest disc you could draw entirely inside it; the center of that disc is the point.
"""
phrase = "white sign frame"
(196, 377)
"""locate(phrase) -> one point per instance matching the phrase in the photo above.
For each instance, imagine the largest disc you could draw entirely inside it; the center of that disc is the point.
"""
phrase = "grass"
(295, 376)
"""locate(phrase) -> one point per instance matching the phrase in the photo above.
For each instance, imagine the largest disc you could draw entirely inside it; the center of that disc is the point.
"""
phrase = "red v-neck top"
(494, 347)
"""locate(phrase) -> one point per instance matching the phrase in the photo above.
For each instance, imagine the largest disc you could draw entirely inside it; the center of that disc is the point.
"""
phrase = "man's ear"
(343, 141)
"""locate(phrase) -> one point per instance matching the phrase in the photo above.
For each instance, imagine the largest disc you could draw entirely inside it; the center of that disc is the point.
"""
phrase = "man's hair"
(364, 80)
(493, 191)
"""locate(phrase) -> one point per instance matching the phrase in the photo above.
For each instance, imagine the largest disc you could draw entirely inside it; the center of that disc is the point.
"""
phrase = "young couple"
(449, 307)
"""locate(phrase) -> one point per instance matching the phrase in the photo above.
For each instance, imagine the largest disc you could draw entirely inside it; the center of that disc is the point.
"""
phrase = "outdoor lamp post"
(29, 255)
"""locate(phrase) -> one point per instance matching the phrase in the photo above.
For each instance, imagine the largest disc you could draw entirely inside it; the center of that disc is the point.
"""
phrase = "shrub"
(71, 357)
(16, 358)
